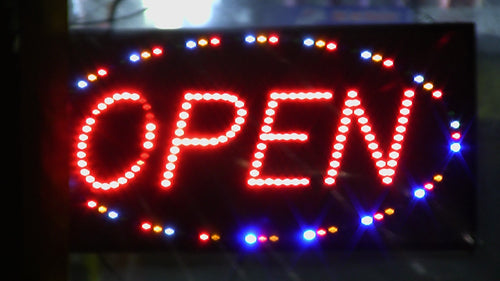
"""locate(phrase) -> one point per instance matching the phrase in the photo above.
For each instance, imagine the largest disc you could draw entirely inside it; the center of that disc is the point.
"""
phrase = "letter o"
(85, 136)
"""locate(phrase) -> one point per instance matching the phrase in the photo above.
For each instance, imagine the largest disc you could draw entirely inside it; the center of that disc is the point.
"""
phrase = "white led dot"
(398, 137)
(347, 111)
(148, 145)
(359, 111)
(86, 129)
(186, 106)
(82, 145)
(369, 137)
(366, 128)
(362, 120)
(403, 120)
(394, 155)
(334, 164)
(241, 112)
(336, 155)
(338, 146)
(406, 103)
(392, 163)
(396, 146)
(404, 111)
(329, 181)
(345, 120)
(343, 129)
(239, 120)
(387, 180)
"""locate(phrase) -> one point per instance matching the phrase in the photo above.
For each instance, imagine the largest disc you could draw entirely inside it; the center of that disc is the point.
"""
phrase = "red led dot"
(262, 238)
(409, 93)
(321, 232)
(204, 237)
(91, 204)
(215, 41)
(102, 72)
(157, 51)
(331, 46)
(388, 63)
(437, 94)
(428, 186)
(378, 216)
(146, 226)
(456, 136)
(273, 39)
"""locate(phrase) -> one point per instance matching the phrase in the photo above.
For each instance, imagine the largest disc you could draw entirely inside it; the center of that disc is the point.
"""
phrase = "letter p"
(180, 140)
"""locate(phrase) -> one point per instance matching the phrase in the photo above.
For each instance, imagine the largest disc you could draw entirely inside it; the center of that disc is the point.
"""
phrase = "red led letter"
(180, 140)
(386, 165)
(267, 135)
(86, 134)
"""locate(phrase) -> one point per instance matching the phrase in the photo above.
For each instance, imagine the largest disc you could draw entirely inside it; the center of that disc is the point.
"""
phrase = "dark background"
(39, 43)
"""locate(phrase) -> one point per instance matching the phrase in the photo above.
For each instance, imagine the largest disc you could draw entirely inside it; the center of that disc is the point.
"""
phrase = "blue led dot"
(250, 39)
(309, 235)
(367, 220)
(82, 84)
(419, 193)
(169, 231)
(418, 78)
(366, 55)
(134, 57)
(112, 215)
(455, 147)
(308, 42)
(190, 44)
(455, 124)
(250, 238)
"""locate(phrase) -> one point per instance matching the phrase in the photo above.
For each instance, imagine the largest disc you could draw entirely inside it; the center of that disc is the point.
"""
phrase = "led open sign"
(341, 137)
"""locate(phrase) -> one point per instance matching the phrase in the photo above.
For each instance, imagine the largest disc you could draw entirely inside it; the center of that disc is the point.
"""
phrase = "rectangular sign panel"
(334, 138)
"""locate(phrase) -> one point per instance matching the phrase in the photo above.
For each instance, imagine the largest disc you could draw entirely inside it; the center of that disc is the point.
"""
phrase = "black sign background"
(210, 191)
